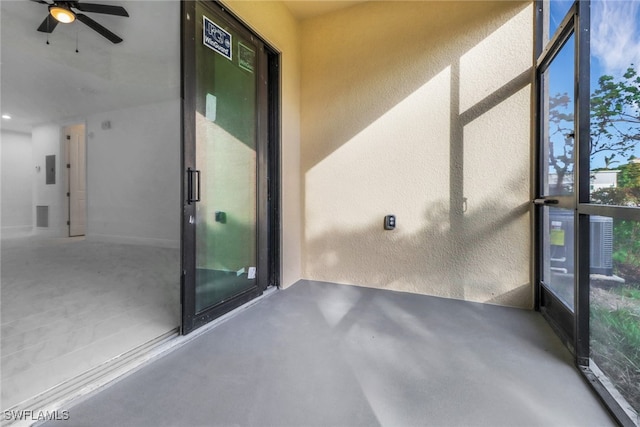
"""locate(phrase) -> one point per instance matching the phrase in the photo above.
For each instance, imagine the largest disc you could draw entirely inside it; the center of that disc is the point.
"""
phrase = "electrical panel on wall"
(50, 166)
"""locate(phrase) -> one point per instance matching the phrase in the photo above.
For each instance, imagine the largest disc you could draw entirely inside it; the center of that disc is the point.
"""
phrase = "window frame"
(577, 22)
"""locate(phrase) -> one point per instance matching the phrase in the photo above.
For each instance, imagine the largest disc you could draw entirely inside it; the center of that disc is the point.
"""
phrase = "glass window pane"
(615, 306)
(558, 130)
(554, 13)
(615, 103)
(558, 269)
(226, 119)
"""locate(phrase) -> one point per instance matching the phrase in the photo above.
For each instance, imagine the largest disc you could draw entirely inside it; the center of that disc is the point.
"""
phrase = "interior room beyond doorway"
(90, 192)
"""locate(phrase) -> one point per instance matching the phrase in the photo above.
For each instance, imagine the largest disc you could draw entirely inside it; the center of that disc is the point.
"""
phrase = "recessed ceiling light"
(6, 117)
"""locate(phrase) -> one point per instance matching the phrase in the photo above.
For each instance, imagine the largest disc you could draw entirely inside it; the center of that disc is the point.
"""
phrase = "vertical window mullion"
(582, 178)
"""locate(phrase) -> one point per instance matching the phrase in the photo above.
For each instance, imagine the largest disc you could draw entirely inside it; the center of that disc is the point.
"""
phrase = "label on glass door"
(216, 38)
(246, 57)
(556, 234)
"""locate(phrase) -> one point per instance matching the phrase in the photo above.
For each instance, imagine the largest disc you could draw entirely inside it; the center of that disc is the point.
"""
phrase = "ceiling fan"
(61, 11)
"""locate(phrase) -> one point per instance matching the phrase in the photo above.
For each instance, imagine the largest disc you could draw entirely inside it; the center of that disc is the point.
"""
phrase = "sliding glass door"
(226, 165)
(588, 191)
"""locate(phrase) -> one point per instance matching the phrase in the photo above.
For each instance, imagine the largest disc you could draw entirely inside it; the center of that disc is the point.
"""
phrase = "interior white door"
(77, 186)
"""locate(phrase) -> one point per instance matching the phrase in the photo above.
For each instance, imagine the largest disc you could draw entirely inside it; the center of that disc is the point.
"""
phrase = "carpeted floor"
(69, 305)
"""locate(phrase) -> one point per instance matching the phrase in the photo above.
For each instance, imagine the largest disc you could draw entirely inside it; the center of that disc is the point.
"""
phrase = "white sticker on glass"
(211, 107)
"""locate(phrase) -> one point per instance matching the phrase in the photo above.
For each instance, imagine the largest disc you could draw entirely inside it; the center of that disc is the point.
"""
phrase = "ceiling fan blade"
(99, 28)
(48, 25)
(100, 8)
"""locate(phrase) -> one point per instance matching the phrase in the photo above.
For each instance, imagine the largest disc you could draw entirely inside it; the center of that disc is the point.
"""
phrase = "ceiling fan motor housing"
(62, 12)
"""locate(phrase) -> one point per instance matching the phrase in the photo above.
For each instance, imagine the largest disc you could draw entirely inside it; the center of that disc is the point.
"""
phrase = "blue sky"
(615, 36)
(615, 45)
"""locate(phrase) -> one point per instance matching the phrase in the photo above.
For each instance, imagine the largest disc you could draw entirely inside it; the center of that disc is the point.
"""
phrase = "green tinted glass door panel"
(226, 120)
(225, 144)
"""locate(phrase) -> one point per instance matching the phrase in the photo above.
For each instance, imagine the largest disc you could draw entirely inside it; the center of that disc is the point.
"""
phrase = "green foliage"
(609, 161)
(629, 175)
(615, 347)
(615, 125)
(620, 196)
(626, 234)
(622, 327)
(615, 114)
(626, 238)
(615, 131)
(623, 323)
(631, 293)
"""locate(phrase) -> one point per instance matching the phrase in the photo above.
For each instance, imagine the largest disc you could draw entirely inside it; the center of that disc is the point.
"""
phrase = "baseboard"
(131, 240)
(16, 231)
(50, 231)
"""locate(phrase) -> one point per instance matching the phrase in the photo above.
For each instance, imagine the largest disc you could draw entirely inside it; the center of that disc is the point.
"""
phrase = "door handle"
(193, 191)
(545, 202)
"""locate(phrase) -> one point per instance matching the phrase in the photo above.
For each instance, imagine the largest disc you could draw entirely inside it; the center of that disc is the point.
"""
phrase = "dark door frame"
(560, 317)
(268, 169)
(573, 327)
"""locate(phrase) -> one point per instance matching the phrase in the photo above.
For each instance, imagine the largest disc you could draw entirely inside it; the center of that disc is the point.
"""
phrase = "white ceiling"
(303, 9)
(43, 83)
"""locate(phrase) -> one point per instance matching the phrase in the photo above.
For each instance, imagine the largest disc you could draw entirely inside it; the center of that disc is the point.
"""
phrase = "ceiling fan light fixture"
(62, 14)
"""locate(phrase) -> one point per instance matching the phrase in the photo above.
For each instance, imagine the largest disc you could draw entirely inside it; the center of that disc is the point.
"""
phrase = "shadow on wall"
(453, 265)
(354, 71)
(433, 126)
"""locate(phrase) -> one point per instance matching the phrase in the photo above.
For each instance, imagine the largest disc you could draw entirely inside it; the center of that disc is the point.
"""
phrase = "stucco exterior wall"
(422, 110)
(275, 24)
